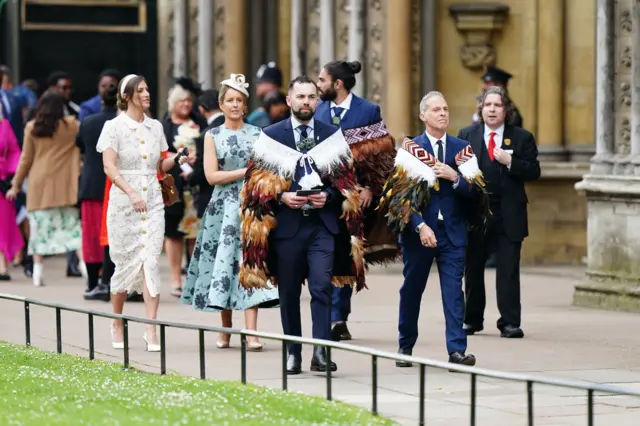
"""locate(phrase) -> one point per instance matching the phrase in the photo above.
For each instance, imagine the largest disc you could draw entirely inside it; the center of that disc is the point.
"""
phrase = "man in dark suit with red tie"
(508, 157)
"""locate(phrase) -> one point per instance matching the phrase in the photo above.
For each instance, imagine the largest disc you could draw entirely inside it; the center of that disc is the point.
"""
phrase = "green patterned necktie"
(305, 143)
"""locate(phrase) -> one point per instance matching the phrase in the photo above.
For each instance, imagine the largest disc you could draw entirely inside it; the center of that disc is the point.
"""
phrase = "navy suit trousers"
(417, 265)
(308, 254)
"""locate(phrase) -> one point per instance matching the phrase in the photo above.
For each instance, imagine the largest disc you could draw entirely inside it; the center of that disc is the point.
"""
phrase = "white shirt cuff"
(419, 227)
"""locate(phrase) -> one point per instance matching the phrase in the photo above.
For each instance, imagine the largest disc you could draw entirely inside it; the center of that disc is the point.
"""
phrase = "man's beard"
(304, 116)
(329, 95)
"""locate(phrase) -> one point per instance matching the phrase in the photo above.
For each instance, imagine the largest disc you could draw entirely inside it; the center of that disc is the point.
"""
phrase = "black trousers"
(108, 268)
(507, 253)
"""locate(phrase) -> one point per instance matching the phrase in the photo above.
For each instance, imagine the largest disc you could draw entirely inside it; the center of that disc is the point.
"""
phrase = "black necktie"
(303, 131)
(440, 153)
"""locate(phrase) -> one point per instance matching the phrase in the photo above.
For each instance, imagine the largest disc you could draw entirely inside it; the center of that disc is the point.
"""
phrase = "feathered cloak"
(374, 151)
(408, 189)
(271, 171)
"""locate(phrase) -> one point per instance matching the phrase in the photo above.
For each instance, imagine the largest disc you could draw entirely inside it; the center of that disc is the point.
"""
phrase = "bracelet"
(176, 159)
(115, 179)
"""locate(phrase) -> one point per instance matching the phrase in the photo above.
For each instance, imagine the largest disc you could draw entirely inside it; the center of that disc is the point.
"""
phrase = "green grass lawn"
(42, 388)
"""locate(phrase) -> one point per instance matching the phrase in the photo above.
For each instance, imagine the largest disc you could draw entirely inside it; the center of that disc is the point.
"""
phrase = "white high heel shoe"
(114, 344)
(150, 347)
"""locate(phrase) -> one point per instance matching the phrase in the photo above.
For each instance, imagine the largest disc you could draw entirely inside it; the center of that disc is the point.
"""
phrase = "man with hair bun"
(373, 150)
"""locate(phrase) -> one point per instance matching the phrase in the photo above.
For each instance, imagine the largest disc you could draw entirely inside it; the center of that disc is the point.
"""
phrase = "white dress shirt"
(346, 104)
(213, 117)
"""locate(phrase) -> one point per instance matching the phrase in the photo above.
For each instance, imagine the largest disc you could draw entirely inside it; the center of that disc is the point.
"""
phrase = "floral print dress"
(212, 278)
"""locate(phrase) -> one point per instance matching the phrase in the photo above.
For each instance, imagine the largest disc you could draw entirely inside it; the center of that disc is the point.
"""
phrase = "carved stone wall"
(341, 27)
(192, 37)
(312, 15)
(218, 44)
(374, 51)
(623, 85)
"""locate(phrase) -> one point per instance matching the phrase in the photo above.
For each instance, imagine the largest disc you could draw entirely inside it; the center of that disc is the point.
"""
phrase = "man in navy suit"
(305, 242)
(373, 150)
(442, 170)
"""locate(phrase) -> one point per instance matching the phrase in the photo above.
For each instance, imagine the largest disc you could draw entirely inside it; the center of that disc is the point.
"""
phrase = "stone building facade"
(408, 47)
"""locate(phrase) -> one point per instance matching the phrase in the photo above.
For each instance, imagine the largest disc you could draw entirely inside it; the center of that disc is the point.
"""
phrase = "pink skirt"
(91, 214)
(11, 240)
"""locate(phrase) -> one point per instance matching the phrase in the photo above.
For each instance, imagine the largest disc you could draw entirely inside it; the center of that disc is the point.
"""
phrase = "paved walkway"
(561, 341)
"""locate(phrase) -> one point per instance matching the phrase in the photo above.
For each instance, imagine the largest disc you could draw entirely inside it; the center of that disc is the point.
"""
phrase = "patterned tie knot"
(303, 131)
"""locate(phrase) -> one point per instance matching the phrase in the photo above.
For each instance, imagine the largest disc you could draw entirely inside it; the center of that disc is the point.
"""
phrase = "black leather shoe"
(5, 277)
(340, 332)
(72, 271)
(461, 358)
(100, 292)
(319, 360)
(404, 364)
(471, 329)
(294, 364)
(511, 332)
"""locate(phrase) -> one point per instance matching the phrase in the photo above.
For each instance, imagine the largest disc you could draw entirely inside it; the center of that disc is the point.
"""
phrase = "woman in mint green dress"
(212, 279)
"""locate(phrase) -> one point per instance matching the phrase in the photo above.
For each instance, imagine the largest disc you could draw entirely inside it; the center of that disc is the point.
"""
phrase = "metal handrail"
(375, 354)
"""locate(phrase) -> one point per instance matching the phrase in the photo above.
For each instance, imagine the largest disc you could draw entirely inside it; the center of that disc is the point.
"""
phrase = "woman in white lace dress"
(132, 146)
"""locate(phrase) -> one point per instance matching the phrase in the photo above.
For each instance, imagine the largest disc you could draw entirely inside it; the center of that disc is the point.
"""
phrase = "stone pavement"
(561, 341)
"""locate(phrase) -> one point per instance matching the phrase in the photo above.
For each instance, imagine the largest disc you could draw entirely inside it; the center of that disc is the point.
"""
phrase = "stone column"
(428, 34)
(235, 54)
(297, 37)
(13, 39)
(205, 71)
(285, 26)
(180, 39)
(327, 43)
(398, 68)
(613, 193)
(356, 41)
(605, 93)
(635, 87)
(549, 134)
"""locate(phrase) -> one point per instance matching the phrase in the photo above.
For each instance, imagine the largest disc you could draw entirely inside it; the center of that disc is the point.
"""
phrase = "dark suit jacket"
(524, 167)
(451, 202)
(92, 177)
(197, 177)
(360, 113)
(289, 219)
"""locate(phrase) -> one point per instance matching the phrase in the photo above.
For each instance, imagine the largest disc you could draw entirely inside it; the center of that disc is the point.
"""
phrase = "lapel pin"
(507, 142)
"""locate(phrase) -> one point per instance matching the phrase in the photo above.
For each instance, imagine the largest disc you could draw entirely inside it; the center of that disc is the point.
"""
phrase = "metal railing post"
(203, 373)
(163, 351)
(422, 394)
(91, 339)
(285, 351)
(125, 335)
(329, 396)
(374, 384)
(27, 324)
(590, 407)
(243, 358)
(58, 330)
(473, 399)
(530, 402)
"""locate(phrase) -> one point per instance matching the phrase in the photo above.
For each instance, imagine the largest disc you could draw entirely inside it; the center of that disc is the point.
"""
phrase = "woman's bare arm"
(109, 158)
(213, 174)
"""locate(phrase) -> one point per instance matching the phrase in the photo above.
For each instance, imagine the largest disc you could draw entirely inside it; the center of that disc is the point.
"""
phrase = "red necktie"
(492, 144)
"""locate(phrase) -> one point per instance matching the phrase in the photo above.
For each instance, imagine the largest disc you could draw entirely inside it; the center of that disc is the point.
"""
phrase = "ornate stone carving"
(218, 44)
(623, 145)
(313, 39)
(478, 22)
(416, 75)
(625, 21)
(342, 11)
(374, 48)
(192, 39)
(625, 93)
(625, 57)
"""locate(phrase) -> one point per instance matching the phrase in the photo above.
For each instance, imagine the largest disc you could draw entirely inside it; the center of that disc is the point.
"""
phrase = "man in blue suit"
(373, 150)
(94, 105)
(439, 176)
(291, 192)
